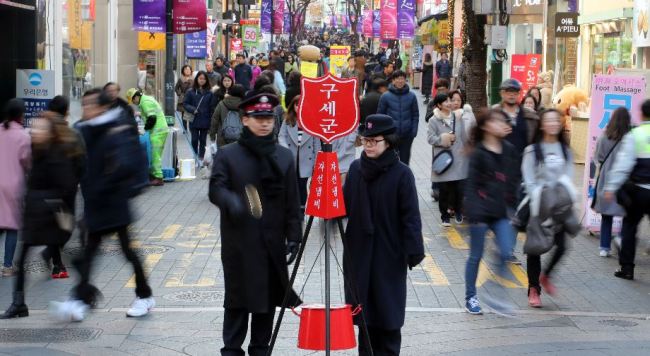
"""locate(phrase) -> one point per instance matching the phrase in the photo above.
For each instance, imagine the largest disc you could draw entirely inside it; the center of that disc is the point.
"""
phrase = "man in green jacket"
(154, 118)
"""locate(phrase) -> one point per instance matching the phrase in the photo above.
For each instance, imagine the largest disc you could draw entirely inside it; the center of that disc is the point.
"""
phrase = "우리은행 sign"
(36, 89)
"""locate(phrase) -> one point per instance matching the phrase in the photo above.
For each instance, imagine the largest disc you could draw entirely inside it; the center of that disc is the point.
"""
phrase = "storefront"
(525, 30)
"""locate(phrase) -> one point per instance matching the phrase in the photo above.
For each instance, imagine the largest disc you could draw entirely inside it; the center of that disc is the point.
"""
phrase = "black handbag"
(444, 159)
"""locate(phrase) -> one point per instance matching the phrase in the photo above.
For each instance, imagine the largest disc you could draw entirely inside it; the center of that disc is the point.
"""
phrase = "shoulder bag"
(593, 200)
(189, 116)
(444, 159)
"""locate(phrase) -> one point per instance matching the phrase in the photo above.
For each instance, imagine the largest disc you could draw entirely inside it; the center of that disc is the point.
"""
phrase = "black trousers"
(451, 196)
(199, 137)
(235, 328)
(384, 342)
(640, 207)
(87, 292)
(404, 149)
(534, 262)
(302, 192)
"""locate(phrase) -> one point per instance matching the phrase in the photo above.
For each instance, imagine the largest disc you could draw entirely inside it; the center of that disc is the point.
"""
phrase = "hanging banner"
(338, 59)
(524, 68)
(287, 21)
(196, 45)
(278, 16)
(640, 22)
(190, 16)
(367, 23)
(210, 38)
(389, 20)
(376, 24)
(406, 19)
(149, 16)
(236, 46)
(608, 92)
(267, 12)
(149, 41)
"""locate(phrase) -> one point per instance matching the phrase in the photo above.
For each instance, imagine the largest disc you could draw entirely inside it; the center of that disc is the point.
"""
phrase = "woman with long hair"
(15, 160)
(458, 103)
(546, 163)
(183, 84)
(427, 77)
(58, 162)
(489, 194)
(201, 102)
(303, 146)
(290, 65)
(227, 82)
(536, 93)
(529, 103)
(607, 147)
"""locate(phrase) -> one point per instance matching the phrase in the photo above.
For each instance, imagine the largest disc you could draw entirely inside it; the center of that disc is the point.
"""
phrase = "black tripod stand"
(349, 281)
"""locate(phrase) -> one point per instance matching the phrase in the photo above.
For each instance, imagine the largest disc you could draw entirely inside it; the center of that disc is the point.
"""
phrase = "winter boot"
(17, 309)
(625, 272)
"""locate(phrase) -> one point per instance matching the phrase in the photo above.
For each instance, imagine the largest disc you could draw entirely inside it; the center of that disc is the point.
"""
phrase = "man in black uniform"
(254, 185)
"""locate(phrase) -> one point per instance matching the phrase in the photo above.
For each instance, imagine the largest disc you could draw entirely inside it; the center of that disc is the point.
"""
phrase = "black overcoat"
(379, 258)
(253, 252)
(427, 79)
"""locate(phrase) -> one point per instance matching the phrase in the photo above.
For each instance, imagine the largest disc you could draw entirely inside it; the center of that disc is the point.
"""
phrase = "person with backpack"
(114, 161)
(226, 123)
(200, 101)
(547, 163)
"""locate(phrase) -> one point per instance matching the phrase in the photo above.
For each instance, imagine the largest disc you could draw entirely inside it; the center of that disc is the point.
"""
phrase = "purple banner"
(376, 24)
(190, 16)
(278, 16)
(406, 19)
(389, 19)
(196, 45)
(267, 12)
(287, 21)
(149, 16)
(333, 21)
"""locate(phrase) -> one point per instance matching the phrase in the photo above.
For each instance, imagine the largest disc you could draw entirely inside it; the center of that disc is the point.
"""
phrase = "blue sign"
(196, 45)
(36, 89)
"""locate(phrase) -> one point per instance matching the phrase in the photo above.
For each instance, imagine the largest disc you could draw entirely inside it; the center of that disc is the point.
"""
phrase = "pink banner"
(190, 16)
(278, 16)
(389, 19)
(367, 23)
(608, 92)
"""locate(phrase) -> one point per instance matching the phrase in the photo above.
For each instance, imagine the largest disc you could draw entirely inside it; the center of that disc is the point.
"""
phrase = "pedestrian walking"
(256, 70)
(458, 103)
(243, 72)
(227, 112)
(490, 193)
(524, 123)
(607, 148)
(402, 105)
(155, 122)
(293, 87)
(629, 183)
(443, 67)
(427, 77)
(58, 162)
(15, 160)
(110, 143)
(446, 132)
(254, 185)
(303, 147)
(201, 102)
(536, 93)
(547, 163)
(290, 65)
(529, 103)
(380, 188)
(184, 84)
(227, 82)
(213, 76)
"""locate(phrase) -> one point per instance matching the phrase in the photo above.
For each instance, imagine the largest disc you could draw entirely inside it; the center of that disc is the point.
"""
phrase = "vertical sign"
(236, 46)
(196, 45)
(250, 32)
(389, 20)
(267, 12)
(525, 68)
(287, 20)
(278, 16)
(338, 59)
(149, 16)
(36, 89)
(376, 24)
(367, 23)
(608, 92)
(405, 19)
(190, 16)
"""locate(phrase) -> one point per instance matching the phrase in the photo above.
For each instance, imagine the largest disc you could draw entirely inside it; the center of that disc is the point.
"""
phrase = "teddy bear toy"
(545, 85)
(570, 101)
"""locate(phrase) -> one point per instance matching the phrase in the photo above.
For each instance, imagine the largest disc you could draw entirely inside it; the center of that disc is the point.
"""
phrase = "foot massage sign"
(608, 92)
(328, 109)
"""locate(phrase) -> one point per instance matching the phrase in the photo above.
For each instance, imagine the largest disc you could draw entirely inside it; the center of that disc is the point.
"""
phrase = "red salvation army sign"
(329, 107)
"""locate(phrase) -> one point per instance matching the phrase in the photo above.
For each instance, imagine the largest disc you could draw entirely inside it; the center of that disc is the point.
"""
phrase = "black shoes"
(17, 309)
(625, 273)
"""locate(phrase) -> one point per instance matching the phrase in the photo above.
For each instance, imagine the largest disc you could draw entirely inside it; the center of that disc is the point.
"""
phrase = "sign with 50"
(250, 32)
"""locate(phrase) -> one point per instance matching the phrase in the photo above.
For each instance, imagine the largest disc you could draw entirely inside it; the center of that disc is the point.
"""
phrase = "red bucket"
(312, 327)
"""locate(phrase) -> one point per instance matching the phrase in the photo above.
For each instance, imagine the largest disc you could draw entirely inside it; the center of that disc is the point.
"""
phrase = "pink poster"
(608, 92)
(190, 16)
(367, 23)
(389, 19)
(278, 16)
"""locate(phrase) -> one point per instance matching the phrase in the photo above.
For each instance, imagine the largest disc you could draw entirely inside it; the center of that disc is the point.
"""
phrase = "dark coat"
(115, 162)
(379, 259)
(491, 184)
(243, 75)
(427, 79)
(219, 115)
(292, 91)
(203, 116)
(369, 104)
(402, 106)
(51, 186)
(443, 69)
(253, 252)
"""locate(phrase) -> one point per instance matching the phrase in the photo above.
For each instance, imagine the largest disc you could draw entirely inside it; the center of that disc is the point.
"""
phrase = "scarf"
(371, 169)
(263, 147)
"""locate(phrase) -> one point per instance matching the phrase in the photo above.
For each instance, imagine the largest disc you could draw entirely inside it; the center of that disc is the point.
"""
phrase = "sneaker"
(533, 298)
(141, 307)
(446, 222)
(473, 306)
(549, 287)
(71, 310)
(63, 273)
(8, 271)
(514, 260)
(459, 219)
(605, 253)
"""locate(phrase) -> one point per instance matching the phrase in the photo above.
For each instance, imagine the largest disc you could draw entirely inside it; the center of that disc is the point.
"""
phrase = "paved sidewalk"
(177, 235)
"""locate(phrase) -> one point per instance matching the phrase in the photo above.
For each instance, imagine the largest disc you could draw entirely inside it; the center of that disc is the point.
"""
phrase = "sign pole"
(327, 147)
(169, 61)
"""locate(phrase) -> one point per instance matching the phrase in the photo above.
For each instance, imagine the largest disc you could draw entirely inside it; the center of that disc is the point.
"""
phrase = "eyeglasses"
(370, 142)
